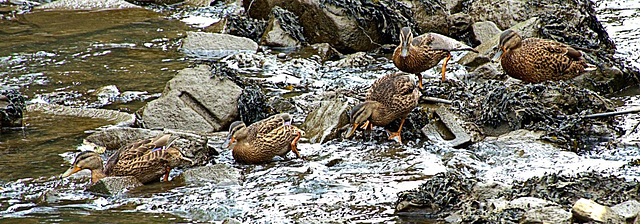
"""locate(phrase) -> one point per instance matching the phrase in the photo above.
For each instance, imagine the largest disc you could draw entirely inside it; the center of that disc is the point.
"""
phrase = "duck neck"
(96, 175)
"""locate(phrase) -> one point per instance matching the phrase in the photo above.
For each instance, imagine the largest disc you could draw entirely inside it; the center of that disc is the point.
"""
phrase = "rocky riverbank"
(316, 59)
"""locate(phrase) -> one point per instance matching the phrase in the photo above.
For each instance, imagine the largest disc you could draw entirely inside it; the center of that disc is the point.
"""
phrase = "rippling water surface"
(67, 57)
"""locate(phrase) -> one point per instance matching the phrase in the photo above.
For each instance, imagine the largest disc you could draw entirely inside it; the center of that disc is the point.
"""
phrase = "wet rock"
(553, 214)
(487, 71)
(484, 31)
(114, 185)
(323, 123)
(460, 26)
(282, 105)
(628, 210)
(429, 16)
(12, 107)
(213, 45)
(504, 15)
(283, 29)
(218, 174)
(87, 5)
(193, 100)
(192, 145)
(325, 51)
(588, 210)
(459, 139)
(115, 117)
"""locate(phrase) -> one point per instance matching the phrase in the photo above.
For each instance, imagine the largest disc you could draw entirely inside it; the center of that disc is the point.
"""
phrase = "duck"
(415, 55)
(263, 140)
(535, 60)
(147, 160)
(390, 97)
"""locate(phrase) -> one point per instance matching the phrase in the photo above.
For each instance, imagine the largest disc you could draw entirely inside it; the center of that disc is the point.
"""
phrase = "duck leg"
(419, 80)
(293, 145)
(166, 174)
(396, 135)
(444, 67)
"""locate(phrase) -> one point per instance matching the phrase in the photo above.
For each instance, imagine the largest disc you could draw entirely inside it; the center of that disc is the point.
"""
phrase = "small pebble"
(282, 55)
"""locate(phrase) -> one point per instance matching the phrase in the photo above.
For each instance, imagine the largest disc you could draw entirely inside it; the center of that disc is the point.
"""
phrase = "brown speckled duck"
(390, 97)
(415, 55)
(537, 60)
(261, 141)
(147, 160)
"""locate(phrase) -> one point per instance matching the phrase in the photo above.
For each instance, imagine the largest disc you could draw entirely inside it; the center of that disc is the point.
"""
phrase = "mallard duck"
(147, 160)
(261, 141)
(415, 55)
(537, 60)
(390, 97)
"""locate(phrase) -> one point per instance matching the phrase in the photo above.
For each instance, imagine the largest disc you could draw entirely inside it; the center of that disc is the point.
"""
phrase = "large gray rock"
(214, 45)
(114, 185)
(323, 123)
(485, 30)
(88, 5)
(219, 174)
(195, 101)
(627, 210)
(505, 14)
(588, 210)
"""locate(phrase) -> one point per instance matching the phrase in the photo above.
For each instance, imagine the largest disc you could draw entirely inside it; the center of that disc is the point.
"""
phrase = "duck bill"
(353, 130)
(70, 171)
(497, 55)
(229, 142)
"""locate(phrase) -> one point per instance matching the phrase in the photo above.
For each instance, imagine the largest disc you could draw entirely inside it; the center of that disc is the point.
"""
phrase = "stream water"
(67, 57)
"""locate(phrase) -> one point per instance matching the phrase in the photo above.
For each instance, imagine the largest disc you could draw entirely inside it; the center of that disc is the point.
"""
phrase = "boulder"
(627, 210)
(553, 214)
(323, 123)
(195, 101)
(484, 31)
(218, 174)
(114, 185)
(214, 45)
(589, 211)
(283, 29)
(87, 5)
(504, 14)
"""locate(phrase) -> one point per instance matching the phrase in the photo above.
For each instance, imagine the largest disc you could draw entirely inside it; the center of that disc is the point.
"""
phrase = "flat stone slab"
(461, 138)
(219, 174)
(215, 45)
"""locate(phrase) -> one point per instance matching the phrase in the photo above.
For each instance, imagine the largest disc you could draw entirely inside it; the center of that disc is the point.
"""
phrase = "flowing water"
(67, 57)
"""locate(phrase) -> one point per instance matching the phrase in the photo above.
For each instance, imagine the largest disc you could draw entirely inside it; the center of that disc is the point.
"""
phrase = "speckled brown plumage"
(537, 60)
(415, 55)
(390, 97)
(138, 159)
(261, 141)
